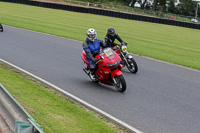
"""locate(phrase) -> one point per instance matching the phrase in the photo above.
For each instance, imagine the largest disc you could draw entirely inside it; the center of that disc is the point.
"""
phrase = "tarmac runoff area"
(4, 128)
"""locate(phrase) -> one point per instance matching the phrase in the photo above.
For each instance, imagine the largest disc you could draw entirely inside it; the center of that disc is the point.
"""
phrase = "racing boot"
(92, 74)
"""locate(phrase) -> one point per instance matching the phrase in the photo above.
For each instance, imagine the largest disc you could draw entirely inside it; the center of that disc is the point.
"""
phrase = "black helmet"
(111, 31)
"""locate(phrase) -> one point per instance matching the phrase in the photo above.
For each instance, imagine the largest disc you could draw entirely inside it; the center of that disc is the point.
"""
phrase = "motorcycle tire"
(132, 67)
(1, 28)
(120, 83)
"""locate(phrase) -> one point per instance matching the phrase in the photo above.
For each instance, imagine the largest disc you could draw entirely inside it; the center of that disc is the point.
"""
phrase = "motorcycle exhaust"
(86, 71)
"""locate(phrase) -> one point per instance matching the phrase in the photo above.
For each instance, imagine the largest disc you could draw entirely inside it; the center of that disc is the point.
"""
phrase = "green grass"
(169, 43)
(52, 112)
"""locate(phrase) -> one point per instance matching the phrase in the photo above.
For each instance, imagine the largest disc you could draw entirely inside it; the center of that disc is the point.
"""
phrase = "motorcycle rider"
(111, 36)
(91, 46)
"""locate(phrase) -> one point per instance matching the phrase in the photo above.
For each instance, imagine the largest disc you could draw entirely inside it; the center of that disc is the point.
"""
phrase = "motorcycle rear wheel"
(132, 67)
(1, 28)
(120, 84)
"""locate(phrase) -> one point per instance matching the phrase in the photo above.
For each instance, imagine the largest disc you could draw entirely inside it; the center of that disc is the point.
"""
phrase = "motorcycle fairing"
(83, 56)
(104, 74)
(116, 72)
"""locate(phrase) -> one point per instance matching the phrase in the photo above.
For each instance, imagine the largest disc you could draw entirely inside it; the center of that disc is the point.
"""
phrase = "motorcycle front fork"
(114, 81)
(124, 60)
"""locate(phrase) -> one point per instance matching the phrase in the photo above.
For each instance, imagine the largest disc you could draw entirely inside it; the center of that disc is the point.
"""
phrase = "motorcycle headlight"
(114, 65)
(124, 49)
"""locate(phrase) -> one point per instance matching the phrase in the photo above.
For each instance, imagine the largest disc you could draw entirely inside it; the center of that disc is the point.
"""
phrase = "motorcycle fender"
(129, 56)
(116, 73)
(120, 67)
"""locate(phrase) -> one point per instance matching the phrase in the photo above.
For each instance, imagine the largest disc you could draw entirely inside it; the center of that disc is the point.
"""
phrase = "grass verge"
(169, 43)
(53, 111)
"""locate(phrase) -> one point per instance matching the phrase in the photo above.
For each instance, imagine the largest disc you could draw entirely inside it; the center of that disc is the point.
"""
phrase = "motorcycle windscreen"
(109, 53)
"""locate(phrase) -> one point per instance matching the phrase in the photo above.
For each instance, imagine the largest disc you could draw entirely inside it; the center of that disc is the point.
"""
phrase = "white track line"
(76, 98)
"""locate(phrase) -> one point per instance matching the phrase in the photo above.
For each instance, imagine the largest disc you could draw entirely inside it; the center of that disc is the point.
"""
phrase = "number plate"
(108, 52)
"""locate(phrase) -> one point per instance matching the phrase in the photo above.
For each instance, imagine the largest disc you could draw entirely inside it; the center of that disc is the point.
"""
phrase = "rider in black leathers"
(111, 36)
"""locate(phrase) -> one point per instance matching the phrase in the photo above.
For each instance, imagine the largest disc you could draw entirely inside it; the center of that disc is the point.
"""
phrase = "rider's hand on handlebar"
(123, 43)
(119, 45)
(97, 60)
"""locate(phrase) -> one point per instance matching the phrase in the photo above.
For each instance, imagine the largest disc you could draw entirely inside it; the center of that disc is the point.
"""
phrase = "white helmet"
(91, 34)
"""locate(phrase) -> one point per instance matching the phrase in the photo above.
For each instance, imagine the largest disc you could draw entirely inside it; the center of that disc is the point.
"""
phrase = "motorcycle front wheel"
(1, 28)
(132, 65)
(120, 83)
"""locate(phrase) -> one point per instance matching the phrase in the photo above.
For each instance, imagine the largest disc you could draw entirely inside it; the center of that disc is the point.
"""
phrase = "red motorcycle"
(108, 69)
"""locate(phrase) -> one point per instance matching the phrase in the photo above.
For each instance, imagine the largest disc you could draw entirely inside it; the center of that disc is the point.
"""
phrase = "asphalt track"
(160, 98)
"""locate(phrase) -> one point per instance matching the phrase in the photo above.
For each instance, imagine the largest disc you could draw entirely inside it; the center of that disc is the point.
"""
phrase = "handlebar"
(123, 43)
(120, 45)
(100, 59)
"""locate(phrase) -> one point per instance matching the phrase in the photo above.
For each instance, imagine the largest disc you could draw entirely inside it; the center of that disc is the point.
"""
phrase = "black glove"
(96, 60)
(123, 43)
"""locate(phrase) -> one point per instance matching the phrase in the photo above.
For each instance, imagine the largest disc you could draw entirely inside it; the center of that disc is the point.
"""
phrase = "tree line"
(182, 7)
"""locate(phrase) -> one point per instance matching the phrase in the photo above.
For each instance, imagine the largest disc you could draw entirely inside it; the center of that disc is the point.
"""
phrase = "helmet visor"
(112, 33)
(92, 36)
